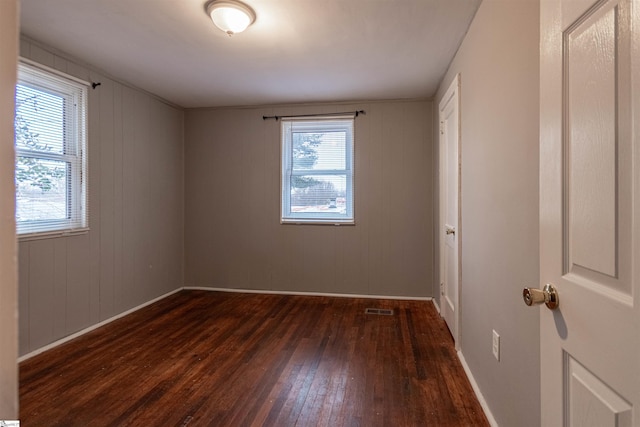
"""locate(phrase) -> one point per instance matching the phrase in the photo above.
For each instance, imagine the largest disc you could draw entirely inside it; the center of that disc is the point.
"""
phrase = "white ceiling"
(296, 51)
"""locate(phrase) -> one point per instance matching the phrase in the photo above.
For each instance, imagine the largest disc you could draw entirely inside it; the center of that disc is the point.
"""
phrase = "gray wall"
(8, 283)
(233, 235)
(134, 250)
(498, 62)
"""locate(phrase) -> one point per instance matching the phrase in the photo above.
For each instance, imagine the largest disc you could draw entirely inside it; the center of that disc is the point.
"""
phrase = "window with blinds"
(317, 170)
(50, 144)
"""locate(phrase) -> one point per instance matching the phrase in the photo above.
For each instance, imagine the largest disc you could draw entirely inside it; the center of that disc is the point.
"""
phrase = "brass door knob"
(548, 295)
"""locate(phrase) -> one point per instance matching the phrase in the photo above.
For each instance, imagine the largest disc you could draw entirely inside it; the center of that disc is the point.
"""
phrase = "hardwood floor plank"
(199, 358)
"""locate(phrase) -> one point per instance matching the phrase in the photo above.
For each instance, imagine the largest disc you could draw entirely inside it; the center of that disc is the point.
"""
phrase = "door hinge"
(441, 128)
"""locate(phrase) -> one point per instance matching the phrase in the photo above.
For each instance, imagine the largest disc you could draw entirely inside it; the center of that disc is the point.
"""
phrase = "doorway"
(449, 216)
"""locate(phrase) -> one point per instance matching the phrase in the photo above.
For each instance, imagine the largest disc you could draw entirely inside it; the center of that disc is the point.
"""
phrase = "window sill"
(52, 234)
(315, 222)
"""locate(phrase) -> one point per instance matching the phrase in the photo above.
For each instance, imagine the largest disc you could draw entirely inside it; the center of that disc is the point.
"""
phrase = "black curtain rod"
(356, 113)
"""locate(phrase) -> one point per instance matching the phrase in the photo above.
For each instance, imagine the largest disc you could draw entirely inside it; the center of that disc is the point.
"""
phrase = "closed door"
(449, 216)
(590, 212)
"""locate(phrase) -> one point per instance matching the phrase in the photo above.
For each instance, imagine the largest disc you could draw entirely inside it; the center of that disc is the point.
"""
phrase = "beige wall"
(8, 286)
(233, 235)
(498, 63)
(134, 250)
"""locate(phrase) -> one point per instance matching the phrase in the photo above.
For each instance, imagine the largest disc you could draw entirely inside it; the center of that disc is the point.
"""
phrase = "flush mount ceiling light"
(231, 16)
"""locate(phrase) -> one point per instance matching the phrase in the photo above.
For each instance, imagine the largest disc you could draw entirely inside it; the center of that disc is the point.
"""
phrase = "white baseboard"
(476, 389)
(435, 304)
(92, 327)
(318, 294)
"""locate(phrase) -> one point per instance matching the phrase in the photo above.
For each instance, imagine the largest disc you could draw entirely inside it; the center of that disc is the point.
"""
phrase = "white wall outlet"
(496, 345)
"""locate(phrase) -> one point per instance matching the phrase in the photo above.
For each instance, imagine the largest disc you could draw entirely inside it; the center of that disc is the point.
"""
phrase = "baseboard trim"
(92, 327)
(318, 294)
(435, 304)
(476, 389)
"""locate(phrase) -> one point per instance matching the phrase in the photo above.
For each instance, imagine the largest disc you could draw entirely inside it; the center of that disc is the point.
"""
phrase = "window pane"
(41, 189)
(319, 151)
(39, 120)
(50, 142)
(321, 193)
(317, 170)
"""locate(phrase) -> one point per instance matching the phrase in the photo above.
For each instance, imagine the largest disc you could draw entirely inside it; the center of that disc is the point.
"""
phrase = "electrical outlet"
(496, 345)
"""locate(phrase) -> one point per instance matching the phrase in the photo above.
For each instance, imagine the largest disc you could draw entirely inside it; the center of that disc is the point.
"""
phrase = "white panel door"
(590, 211)
(449, 216)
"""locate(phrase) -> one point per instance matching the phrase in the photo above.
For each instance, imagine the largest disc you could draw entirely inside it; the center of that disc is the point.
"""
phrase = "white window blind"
(50, 142)
(317, 170)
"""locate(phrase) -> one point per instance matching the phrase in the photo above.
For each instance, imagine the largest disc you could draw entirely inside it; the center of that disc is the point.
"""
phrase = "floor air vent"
(380, 311)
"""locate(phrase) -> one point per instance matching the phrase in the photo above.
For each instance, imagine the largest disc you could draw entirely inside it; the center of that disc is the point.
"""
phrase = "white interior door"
(590, 212)
(449, 214)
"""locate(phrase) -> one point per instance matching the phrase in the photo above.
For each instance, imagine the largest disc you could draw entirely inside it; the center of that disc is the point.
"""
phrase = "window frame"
(74, 155)
(316, 125)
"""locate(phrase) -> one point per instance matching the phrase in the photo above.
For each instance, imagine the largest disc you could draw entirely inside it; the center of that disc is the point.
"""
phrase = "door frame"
(452, 93)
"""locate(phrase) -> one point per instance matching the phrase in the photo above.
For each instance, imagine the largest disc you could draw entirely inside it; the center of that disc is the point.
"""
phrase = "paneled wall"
(134, 250)
(233, 235)
(498, 64)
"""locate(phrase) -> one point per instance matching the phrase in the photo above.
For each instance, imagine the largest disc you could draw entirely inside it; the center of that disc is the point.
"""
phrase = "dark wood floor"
(202, 358)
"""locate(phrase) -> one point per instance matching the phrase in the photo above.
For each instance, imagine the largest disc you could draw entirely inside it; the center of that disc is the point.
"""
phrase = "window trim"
(313, 125)
(75, 155)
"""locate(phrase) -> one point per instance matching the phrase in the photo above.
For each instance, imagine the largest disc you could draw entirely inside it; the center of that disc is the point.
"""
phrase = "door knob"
(449, 230)
(547, 295)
